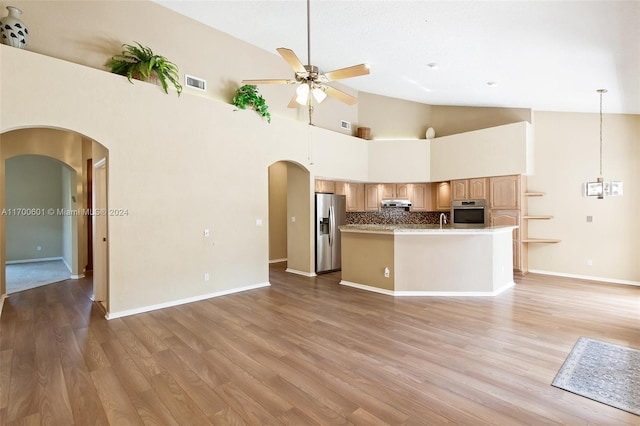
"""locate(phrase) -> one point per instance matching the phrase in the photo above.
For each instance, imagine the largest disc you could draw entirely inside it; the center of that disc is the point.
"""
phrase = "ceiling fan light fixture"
(318, 94)
(302, 93)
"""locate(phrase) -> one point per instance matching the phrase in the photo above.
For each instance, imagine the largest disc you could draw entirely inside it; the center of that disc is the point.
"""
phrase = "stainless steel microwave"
(468, 214)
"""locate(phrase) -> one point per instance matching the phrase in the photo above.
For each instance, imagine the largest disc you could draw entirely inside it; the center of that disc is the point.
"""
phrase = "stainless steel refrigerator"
(330, 214)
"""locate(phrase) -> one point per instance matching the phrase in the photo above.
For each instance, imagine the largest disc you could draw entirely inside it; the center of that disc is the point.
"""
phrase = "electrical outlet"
(589, 262)
(206, 232)
(206, 276)
(386, 272)
(39, 248)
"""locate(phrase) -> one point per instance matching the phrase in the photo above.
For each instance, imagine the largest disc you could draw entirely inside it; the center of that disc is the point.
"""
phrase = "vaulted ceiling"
(544, 55)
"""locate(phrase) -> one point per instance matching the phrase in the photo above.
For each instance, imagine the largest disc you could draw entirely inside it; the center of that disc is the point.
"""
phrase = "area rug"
(604, 372)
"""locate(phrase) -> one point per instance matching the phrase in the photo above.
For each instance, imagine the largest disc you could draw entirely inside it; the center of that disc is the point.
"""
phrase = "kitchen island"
(427, 260)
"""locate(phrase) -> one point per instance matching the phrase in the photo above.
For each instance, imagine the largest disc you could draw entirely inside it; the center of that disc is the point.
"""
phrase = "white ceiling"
(545, 55)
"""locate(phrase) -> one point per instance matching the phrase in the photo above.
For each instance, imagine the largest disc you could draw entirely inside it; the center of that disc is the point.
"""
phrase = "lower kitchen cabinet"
(511, 218)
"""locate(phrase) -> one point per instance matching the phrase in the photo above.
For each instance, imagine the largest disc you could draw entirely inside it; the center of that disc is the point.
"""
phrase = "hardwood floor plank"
(117, 405)
(309, 351)
(6, 359)
(179, 403)
(200, 392)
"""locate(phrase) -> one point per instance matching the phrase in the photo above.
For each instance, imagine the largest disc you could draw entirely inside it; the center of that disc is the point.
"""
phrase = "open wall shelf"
(537, 217)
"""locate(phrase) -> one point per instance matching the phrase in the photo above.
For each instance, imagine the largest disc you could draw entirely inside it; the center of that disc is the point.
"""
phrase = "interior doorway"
(290, 224)
(39, 230)
(75, 152)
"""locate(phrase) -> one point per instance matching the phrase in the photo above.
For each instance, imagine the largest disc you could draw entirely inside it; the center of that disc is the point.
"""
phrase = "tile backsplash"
(393, 215)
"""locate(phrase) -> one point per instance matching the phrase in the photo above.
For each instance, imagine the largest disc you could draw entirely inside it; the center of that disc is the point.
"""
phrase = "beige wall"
(89, 32)
(364, 258)
(35, 183)
(173, 159)
(450, 120)
(300, 258)
(567, 156)
(170, 173)
(391, 118)
(278, 211)
(496, 151)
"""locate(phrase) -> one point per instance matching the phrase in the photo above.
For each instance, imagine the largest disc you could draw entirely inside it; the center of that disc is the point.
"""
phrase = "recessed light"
(433, 65)
(492, 83)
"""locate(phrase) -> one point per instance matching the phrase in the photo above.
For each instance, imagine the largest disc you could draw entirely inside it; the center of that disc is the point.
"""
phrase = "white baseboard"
(120, 314)
(278, 260)
(428, 293)
(303, 273)
(76, 277)
(2, 297)
(586, 277)
(39, 259)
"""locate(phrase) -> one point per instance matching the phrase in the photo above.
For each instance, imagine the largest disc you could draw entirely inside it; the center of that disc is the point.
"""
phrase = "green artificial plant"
(141, 63)
(248, 95)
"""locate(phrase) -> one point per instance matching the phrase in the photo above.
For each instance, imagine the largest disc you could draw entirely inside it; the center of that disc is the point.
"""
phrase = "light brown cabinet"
(355, 197)
(498, 217)
(326, 186)
(442, 196)
(469, 189)
(403, 190)
(504, 192)
(371, 197)
(387, 191)
(420, 196)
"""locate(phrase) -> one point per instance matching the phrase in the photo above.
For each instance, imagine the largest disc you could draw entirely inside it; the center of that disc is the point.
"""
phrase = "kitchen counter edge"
(423, 229)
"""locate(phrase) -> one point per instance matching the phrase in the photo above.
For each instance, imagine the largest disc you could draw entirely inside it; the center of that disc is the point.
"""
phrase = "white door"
(100, 252)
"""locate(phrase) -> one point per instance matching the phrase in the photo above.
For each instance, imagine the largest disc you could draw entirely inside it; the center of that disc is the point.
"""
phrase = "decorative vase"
(12, 30)
(430, 133)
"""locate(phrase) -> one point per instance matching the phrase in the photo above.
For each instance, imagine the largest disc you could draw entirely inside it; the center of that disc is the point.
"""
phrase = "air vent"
(345, 125)
(195, 82)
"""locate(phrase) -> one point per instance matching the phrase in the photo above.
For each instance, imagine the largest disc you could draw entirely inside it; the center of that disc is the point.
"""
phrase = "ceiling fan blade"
(269, 81)
(292, 59)
(354, 71)
(293, 103)
(340, 95)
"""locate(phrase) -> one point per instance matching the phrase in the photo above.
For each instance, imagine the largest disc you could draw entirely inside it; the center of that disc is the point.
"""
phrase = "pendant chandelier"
(601, 188)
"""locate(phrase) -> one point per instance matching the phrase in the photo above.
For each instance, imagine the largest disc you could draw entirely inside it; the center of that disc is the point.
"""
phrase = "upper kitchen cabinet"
(469, 189)
(387, 191)
(442, 195)
(504, 192)
(326, 186)
(420, 196)
(354, 194)
(372, 197)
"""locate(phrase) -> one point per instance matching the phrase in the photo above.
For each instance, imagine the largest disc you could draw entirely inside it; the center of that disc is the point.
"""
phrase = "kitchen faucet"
(443, 218)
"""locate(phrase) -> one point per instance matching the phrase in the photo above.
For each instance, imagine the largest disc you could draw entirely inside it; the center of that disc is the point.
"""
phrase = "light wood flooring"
(308, 351)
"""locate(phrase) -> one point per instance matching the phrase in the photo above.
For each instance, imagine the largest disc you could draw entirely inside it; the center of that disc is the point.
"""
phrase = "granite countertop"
(421, 229)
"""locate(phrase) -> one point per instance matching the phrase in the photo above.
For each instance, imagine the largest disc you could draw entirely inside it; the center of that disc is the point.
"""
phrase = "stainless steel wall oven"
(468, 214)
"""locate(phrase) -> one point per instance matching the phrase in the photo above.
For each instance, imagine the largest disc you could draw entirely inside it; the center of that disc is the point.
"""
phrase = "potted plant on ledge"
(248, 95)
(141, 63)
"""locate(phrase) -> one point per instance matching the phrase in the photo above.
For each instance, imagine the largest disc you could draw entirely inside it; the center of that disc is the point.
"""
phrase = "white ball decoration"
(431, 133)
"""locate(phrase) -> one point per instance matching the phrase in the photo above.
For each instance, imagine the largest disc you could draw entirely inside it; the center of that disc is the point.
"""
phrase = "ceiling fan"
(313, 83)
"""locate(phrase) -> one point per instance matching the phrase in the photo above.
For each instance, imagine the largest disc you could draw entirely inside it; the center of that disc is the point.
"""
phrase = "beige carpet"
(23, 276)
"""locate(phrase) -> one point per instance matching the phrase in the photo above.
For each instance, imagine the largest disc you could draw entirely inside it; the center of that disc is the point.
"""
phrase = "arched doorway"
(290, 211)
(76, 152)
